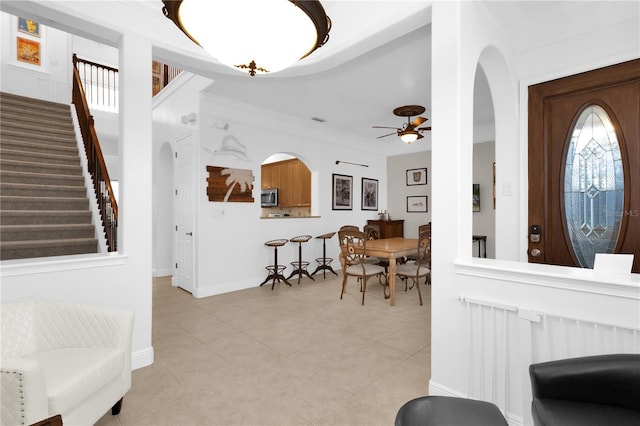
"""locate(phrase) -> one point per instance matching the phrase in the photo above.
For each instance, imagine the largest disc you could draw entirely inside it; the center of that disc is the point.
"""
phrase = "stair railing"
(97, 167)
(161, 75)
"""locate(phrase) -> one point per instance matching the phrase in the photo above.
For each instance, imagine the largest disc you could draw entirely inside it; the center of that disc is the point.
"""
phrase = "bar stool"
(324, 262)
(275, 270)
(300, 267)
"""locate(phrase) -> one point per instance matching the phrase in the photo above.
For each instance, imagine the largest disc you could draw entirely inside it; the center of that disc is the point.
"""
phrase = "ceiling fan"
(409, 132)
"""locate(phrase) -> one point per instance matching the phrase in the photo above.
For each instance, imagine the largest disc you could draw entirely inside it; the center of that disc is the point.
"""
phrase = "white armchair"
(63, 358)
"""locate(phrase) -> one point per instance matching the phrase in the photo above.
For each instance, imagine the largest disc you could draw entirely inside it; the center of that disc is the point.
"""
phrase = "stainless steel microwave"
(269, 197)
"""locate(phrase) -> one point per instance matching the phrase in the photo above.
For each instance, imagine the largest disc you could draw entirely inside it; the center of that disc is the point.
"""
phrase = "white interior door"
(184, 208)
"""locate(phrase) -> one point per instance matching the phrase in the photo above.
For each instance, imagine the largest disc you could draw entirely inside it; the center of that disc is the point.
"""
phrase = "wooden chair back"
(372, 231)
(353, 246)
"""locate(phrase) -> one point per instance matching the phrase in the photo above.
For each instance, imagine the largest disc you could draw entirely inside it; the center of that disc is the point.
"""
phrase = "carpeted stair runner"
(44, 209)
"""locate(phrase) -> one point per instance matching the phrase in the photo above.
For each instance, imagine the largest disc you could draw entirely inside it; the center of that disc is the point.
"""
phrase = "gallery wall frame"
(417, 204)
(369, 194)
(417, 176)
(342, 192)
(28, 51)
(29, 26)
(476, 197)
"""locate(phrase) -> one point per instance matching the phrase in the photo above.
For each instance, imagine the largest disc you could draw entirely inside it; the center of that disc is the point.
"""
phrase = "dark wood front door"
(561, 158)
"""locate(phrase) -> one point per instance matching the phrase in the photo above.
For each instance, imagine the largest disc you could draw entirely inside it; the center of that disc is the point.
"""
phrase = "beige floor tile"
(292, 356)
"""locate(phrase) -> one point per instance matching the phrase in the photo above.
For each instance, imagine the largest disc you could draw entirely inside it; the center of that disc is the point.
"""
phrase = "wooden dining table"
(392, 249)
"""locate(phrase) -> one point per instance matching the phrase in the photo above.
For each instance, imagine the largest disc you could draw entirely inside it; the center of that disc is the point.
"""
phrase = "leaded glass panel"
(593, 186)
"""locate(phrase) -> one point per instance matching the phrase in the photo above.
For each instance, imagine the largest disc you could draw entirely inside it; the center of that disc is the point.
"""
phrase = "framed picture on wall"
(417, 204)
(342, 192)
(476, 197)
(28, 51)
(369, 194)
(29, 26)
(416, 177)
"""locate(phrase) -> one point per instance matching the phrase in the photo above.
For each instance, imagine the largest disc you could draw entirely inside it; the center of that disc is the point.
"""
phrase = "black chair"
(449, 411)
(587, 391)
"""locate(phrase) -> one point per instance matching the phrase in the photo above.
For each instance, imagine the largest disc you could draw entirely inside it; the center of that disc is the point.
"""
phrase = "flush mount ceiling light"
(255, 35)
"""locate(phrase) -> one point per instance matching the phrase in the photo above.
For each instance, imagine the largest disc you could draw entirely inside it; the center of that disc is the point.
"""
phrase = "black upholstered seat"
(449, 411)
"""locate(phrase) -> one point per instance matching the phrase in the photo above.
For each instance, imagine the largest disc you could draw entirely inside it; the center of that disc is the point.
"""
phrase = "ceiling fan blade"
(424, 128)
(383, 127)
(418, 121)
(420, 136)
(384, 136)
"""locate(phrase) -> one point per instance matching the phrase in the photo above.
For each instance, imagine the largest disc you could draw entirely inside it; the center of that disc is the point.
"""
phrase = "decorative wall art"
(494, 185)
(29, 26)
(416, 177)
(342, 198)
(369, 194)
(476, 197)
(417, 204)
(28, 51)
(230, 185)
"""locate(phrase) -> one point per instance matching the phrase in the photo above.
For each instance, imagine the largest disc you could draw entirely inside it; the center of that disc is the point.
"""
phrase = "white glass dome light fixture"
(261, 36)
(408, 136)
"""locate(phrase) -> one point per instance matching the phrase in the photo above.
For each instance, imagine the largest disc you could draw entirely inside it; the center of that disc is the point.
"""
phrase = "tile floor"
(292, 356)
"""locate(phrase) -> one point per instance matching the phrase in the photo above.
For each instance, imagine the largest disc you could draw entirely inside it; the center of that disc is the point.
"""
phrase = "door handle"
(189, 233)
(536, 252)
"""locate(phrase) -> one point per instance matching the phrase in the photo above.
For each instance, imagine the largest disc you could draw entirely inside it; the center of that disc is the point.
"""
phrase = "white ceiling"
(378, 57)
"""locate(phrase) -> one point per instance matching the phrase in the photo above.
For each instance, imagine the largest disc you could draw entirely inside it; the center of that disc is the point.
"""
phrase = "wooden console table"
(389, 228)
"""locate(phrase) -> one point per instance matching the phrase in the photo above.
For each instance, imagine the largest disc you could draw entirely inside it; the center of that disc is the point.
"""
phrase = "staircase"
(44, 209)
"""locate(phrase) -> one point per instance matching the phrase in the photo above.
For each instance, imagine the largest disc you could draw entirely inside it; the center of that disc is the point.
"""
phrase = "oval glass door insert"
(593, 186)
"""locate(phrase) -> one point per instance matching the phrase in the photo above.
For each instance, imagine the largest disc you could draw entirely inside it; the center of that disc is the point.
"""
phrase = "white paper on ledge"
(616, 263)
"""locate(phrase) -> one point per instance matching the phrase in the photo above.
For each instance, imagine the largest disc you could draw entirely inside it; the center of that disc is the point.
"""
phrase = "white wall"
(51, 79)
(229, 237)
(398, 190)
(463, 35)
(121, 280)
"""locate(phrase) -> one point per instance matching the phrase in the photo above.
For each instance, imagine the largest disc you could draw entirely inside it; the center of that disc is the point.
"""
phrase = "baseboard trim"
(441, 390)
(142, 358)
(162, 272)
(213, 290)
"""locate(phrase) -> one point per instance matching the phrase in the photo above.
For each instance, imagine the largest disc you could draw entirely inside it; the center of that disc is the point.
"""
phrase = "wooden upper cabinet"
(267, 176)
(293, 180)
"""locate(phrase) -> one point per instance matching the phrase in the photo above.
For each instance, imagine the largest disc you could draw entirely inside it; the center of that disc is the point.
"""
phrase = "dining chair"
(422, 228)
(372, 232)
(421, 267)
(353, 247)
(425, 228)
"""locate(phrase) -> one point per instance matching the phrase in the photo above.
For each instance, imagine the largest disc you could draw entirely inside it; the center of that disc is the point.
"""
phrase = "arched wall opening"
(287, 186)
(503, 90)
(483, 220)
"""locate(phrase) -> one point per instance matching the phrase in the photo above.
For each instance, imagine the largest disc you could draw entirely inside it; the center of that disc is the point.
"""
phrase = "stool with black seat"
(275, 270)
(450, 411)
(324, 262)
(300, 267)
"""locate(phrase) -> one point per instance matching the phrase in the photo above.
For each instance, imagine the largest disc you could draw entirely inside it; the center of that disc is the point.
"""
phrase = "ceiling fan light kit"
(409, 132)
(260, 36)
(409, 136)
